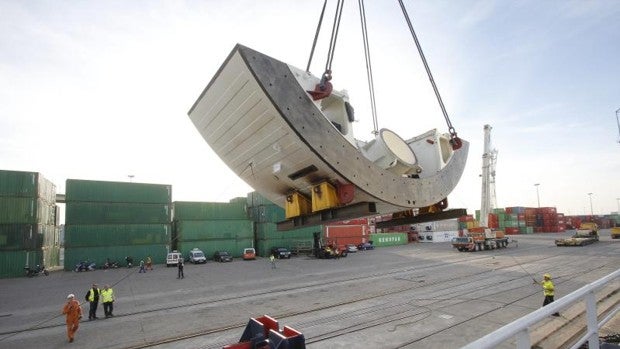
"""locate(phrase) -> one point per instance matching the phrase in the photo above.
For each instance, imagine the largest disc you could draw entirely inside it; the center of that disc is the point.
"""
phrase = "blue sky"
(101, 89)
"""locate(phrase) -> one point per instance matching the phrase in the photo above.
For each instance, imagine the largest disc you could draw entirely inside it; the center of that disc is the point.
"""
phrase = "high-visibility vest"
(107, 295)
(91, 295)
(548, 288)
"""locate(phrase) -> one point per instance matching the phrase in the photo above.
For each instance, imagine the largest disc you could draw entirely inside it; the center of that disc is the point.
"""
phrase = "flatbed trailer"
(585, 235)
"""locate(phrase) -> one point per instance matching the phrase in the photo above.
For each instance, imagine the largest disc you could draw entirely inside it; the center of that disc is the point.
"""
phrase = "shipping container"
(214, 229)
(93, 235)
(12, 263)
(116, 213)
(20, 237)
(26, 184)
(389, 239)
(188, 210)
(263, 246)
(342, 235)
(438, 236)
(268, 231)
(99, 255)
(26, 210)
(51, 256)
(101, 191)
(266, 214)
(256, 199)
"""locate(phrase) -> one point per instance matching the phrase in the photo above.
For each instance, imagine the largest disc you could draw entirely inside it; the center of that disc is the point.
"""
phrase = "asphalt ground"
(422, 295)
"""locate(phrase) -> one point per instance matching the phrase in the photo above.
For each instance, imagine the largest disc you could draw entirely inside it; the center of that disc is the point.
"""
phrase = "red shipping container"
(357, 221)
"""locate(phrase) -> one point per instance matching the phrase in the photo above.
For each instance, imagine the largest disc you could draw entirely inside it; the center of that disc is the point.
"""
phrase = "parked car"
(249, 253)
(222, 256)
(365, 246)
(351, 248)
(173, 258)
(197, 256)
(281, 252)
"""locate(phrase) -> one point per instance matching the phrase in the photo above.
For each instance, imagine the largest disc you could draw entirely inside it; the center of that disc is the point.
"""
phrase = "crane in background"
(482, 237)
(489, 158)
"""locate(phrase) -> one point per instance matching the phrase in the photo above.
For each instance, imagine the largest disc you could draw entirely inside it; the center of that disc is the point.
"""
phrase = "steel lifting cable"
(332, 42)
(455, 141)
(316, 36)
(371, 84)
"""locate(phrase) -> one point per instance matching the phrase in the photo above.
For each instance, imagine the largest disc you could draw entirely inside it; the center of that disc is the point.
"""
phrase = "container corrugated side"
(21, 237)
(267, 214)
(18, 184)
(256, 199)
(93, 235)
(103, 191)
(270, 231)
(116, 253)
(190, 210)
(214, 229)
(51, 256)
(12, 263)
(116, 213)
(209, 247)
(264, 246)
(26, 210)
(389, 239)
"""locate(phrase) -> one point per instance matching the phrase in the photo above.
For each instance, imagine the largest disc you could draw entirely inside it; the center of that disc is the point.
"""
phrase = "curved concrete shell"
(257, 115)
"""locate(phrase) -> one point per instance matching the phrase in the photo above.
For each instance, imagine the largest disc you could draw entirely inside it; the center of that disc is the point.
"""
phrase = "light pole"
(537, 195)
(591, 210)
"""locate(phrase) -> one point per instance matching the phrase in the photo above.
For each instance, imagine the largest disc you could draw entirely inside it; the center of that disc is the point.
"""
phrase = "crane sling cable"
(316, 36)
(324, 87)
(371, 84)
(455, 141)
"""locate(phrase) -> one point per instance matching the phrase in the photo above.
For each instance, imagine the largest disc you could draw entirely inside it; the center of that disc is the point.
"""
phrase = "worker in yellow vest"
(548, 291)
(107, 298)
(92, 297)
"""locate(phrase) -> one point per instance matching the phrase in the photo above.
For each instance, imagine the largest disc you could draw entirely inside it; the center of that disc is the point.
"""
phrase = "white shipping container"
(445, 225)
(438, 236)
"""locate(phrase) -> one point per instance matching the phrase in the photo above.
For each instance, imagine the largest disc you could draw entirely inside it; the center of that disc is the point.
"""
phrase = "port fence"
(520, 327)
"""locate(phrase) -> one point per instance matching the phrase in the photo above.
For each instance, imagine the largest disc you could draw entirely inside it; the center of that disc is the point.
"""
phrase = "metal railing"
(520, 328)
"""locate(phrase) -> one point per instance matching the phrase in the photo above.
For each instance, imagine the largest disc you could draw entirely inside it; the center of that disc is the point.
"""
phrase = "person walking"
(142, 269)
(149, 263)
(180, 266)
(92, 296)
(548, 291)
(73, 313)
(107, 298)
(272, 259)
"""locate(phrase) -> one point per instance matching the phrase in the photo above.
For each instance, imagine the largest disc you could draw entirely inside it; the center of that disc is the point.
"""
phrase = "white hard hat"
(71, 295)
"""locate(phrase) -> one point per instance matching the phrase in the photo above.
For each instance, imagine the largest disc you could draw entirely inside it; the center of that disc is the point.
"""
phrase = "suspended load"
(260, 117)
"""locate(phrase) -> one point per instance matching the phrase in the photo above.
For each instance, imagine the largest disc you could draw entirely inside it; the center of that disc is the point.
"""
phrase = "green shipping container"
(264, 246)
(101, 191)
(201, 211)
(26, 210)
(389, 239)
(20, 237)
(209, 247)
(267, 214)
(214, 229)
(98, 235)
(255, 199)
(12, 263)
(116, 213)
(99, 255)
(269, 231)
(26, 185)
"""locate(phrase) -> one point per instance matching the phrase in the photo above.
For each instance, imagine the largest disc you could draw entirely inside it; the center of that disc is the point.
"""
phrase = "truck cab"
(196, 256)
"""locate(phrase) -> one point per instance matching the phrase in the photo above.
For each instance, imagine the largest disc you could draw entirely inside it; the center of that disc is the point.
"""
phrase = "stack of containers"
(212, 227)
(265, 214)
(547, 220)
(115, 220)
(28, 226)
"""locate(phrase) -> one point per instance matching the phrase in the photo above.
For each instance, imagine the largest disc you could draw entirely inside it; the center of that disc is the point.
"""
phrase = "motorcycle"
(129, 261)
(110, 264)
(30, 272)
(85, 266)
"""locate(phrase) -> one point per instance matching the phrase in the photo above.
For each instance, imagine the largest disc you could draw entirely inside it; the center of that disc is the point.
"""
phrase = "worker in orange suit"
(73, 312)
